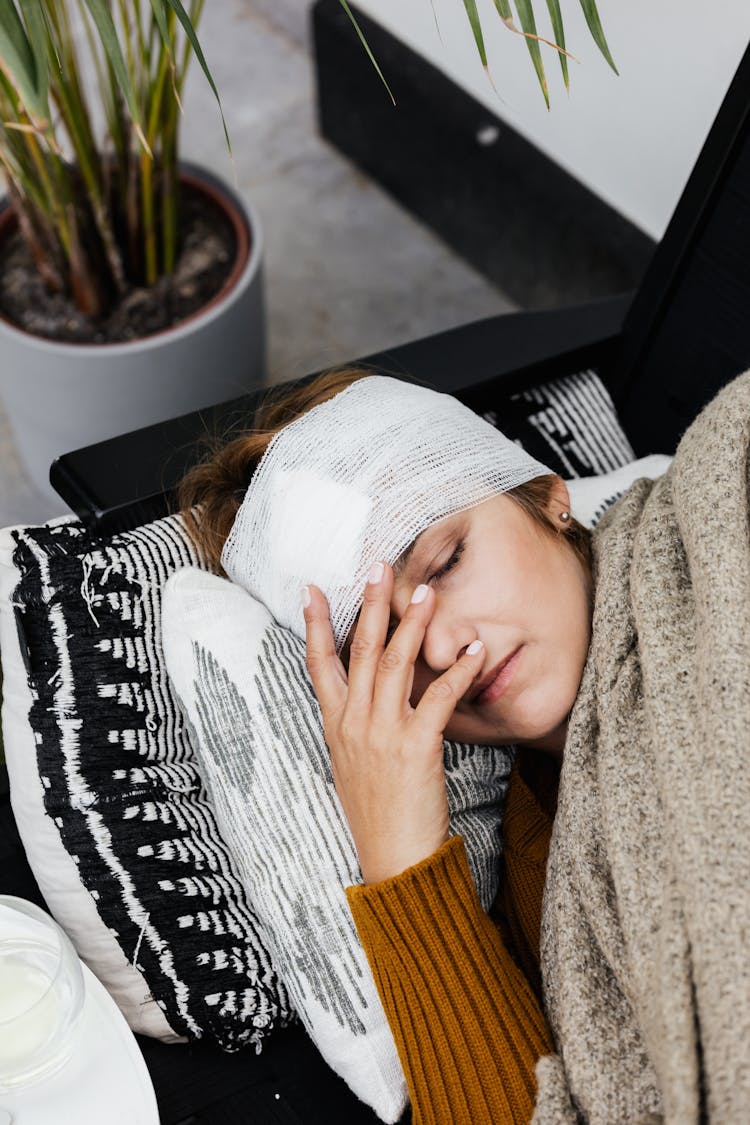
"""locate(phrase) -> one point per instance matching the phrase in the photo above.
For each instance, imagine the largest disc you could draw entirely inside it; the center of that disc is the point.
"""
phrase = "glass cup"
(41, 994)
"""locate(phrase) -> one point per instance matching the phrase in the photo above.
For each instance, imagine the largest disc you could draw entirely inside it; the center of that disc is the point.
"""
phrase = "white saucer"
(105, 1080)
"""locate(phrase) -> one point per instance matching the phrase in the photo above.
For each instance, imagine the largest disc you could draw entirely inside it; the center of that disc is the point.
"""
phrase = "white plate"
(105, 1080)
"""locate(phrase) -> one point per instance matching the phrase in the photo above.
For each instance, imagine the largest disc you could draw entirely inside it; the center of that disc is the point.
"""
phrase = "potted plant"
(130, 285)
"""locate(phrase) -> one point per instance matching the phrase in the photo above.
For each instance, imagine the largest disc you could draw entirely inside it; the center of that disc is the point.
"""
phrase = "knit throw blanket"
(645, 943)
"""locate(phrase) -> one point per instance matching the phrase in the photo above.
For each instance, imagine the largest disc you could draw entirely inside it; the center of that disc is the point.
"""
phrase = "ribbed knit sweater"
(465, 1012)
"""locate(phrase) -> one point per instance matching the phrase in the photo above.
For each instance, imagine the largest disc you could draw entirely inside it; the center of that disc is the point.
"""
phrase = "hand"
(387, 756)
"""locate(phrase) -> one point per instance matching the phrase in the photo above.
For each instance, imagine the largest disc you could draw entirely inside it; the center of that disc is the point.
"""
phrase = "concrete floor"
(347, 271)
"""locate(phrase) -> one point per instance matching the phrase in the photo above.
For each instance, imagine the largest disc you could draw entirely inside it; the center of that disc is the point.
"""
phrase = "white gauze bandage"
(354, 481)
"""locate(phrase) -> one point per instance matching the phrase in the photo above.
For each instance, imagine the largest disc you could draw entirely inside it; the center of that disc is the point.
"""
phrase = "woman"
(475, 623)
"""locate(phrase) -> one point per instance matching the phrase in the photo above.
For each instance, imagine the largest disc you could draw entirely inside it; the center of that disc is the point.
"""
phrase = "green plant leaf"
(476, 27)
(366, 46)
(503, 7)
(102, 17)
(503, 10)
(36, 24)
(528, 23)
(437, 25)
(555, 15)
(597, 31)
(159, 8)
(19, 59)
(189, 30)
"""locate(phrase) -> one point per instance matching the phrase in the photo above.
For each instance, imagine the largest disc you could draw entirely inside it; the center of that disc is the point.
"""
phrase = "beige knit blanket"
(646, 919)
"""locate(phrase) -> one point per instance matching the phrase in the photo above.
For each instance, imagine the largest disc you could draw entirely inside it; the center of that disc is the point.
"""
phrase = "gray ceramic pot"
(61, 396)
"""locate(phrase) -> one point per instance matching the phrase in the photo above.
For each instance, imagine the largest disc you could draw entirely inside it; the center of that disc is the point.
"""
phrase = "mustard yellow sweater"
(466, 1012)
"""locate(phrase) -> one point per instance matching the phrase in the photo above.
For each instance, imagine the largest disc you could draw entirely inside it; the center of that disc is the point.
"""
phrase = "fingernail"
(474, 648)
(305, 592)
(419, 594)
(376, 573)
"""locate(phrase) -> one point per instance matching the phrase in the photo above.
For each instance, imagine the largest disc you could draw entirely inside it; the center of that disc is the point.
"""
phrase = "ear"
(559, 499)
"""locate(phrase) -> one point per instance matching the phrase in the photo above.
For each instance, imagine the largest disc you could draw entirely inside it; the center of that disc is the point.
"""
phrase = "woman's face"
(500, 577)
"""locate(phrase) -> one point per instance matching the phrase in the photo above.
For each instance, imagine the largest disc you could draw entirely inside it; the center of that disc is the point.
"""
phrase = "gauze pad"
(354, 481)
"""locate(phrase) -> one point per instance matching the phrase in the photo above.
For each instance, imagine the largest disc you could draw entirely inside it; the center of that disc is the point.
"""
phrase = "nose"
(446, 637)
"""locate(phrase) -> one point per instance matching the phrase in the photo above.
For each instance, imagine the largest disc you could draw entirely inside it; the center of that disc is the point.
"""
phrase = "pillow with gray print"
(258, 734)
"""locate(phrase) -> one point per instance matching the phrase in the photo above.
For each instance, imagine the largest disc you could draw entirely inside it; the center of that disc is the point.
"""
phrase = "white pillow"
(591, 496)
(257, 730)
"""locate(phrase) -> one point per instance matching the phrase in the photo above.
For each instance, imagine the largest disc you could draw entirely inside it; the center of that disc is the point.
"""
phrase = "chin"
(547, 730)
(483, 731)
(546, 724)
(535, 723)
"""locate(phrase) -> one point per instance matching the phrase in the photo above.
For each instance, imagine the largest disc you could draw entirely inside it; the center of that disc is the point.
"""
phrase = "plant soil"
(205, 261)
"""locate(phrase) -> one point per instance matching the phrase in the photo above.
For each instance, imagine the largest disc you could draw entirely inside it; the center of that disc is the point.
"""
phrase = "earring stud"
(564, 516)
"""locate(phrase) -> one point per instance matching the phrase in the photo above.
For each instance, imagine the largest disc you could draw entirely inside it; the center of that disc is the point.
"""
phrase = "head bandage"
(354, 481)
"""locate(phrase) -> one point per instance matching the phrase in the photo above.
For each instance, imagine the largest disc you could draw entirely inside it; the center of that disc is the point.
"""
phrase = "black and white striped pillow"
(569, 424)
(120, 781)
(119, 778)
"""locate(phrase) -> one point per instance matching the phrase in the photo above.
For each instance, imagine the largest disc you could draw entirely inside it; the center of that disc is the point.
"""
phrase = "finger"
(326, 670)
(395, 677)
(368, 639)
(439, 700)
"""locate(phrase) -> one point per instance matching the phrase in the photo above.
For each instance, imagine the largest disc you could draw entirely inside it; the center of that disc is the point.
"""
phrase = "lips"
(492, 675)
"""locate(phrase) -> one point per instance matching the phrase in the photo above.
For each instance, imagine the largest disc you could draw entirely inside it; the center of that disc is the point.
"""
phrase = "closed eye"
(436, 576)
(450, 563)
